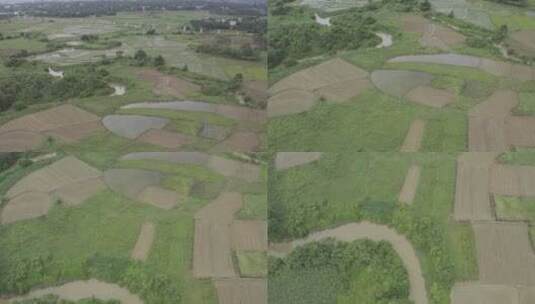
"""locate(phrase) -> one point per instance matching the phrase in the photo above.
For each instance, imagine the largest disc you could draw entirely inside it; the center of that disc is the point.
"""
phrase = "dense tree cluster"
(291, 41)
(249, 24)
(375, 262)
(223, 47)
(53, 299)
(19, 89)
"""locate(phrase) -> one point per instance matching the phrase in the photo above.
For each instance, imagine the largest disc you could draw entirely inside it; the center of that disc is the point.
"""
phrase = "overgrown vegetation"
(328, 272)
(53, 299)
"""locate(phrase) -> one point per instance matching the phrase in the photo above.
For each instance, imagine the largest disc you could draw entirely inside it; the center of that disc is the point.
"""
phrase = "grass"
(254, 207)
(330, 192)
(31, 45)
(108, 224)
(252, 263)
(510, 208)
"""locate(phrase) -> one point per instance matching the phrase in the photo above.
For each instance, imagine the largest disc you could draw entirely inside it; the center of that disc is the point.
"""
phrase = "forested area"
(335, 272)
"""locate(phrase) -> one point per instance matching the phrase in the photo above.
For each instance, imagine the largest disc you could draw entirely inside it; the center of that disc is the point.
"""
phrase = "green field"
(347, 187)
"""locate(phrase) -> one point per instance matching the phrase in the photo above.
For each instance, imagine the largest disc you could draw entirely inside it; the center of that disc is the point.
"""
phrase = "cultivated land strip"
(408, 190)
(366, 230)
(413, 140)
(506, 260)
(286, 160)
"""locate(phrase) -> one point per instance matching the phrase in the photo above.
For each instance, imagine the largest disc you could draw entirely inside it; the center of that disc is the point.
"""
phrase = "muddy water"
(366, 230)
(79, 290)
(386, 40)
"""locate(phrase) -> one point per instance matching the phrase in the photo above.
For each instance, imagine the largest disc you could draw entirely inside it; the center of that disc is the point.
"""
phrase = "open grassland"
(365, 186)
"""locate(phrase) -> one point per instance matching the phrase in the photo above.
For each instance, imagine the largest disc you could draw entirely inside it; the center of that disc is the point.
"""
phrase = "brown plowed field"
(343, 90)
(249, 235)
(241, 291)
(472, 199)
(168, 85)
(159, 197)
(26, 206)
(521, 131)
(477, 293)
(513, 180)
(233, 168)
(408, 191)
(504, 252)
(76, 193)
(413, 140)
(144, 242)
(212, 249)
(241, 141)
(65, 122)
(131, 182)
(291, 101)
(432, 97)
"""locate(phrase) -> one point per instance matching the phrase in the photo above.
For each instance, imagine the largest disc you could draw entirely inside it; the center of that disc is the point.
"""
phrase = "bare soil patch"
(520, 131)
(144, 242)
(76, 193)
(408, 190)
(132, 126)
(26, 206)
(241, 141)
(432, 97)
(65, 122)
(243, 291)
(78, 290)
(398, 83)
(167, 85)
(413, 140)
(505, 255)
(414, 23)
(20, 141)
(513, 180)
(524, 41)
(234, 168)
(212, 251)
(131, 182)
(61, 173)
(472, 198)
(249, 235)
(441, 37)
(286, 160)
(159, 197)
(334, 79)
(291, 101)
(477, 293)
(163, 138)
(257, 90)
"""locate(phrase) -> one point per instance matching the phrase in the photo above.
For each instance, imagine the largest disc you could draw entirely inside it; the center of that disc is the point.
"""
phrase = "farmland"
(100, 199)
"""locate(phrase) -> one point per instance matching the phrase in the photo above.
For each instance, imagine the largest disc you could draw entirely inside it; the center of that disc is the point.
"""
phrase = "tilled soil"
(286, 160)
(413, 140)
(144, 242)
(408, 191)
(242, 291)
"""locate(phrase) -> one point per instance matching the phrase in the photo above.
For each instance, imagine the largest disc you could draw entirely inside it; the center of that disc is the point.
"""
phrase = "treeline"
(111, 8)
(376, 263)
(224, 47)
(292, 41)
(151, 286)
(20, 89)
(257, 25)
(7, 160)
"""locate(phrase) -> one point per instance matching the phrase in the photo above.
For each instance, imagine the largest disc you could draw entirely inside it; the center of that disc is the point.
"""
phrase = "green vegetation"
(337, 272)
(515, 208)
(347, 187)
(52, 299)
(252, 263)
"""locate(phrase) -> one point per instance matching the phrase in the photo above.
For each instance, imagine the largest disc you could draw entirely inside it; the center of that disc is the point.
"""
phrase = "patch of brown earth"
(240, 141)
(477, 293)
(163, 138)
(413, 140)
(159, 197)
(291, 101)
(249, 235)
(131, 182)
(233, 168)
(20, 141)
(257, 90)
(523, 41)
(432, 97)
(167, 85)
(344, 90)
(144, 242)
(408, 190)
(441, 37)
(504, 252)
(242, 291)
(286, 160)
(413, 23)
(26, 206)
(472, 199)
(78, 192)
(212, 249)
(520, 131)
(65, 122)
(512, 180)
